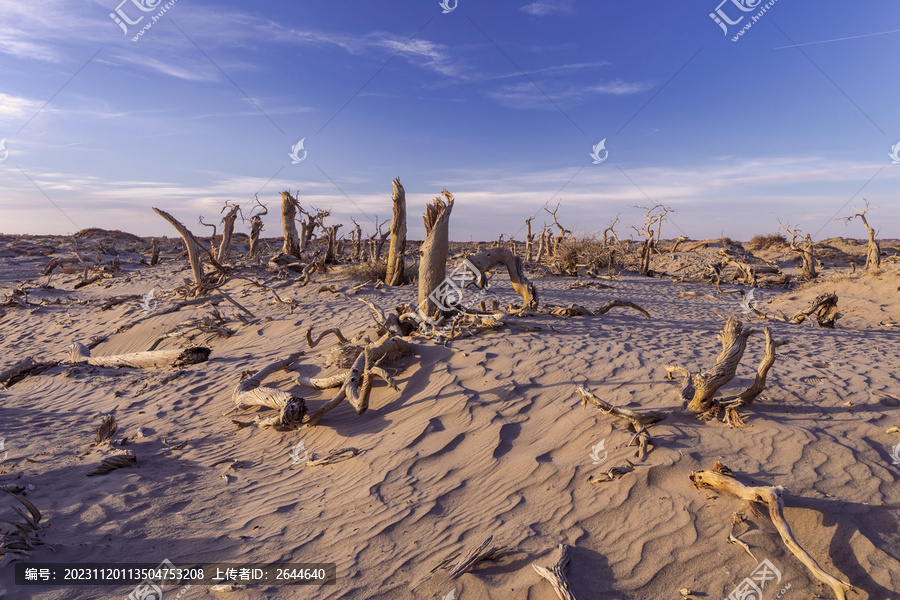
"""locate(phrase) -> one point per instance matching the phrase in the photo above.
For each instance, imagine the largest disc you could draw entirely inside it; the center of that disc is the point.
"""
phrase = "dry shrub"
(588, 253)
(769, 240)
(367, 271)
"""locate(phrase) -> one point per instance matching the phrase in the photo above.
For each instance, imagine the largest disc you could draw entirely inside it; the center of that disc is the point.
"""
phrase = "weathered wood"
(352, 380)
(79, 353)
(190, 242)
(721, 478)
(747, 397)
(397, 231)
(289, 207)
(154, 252)
(556, 574)
(823, 308)
(227, 231)
(487, 260)
(640, 422)
(335, 331)
(248, 393)
(734, 341)
(433, 252)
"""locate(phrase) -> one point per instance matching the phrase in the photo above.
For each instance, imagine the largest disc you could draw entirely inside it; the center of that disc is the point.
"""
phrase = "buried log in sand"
(291, 409)
(79, 353)
(721, 478)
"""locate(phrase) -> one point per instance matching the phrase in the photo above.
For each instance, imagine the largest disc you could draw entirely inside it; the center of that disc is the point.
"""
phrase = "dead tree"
(562, 230)
(256, 226)
(556, 574)
(805, 249)
(655, 216)
(722, 479)
(289, 208)
(227, 230)
(154, 252)
(487, 260)
(699, 388)
(357, 241)
(433, 252)
(213, 237)
(873, 251)
(529, 239)
(331, 251)
(394, 274)
(190, 242)
(542, 246)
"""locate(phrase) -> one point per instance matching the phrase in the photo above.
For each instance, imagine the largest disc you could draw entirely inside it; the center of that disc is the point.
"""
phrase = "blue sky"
(500, 102)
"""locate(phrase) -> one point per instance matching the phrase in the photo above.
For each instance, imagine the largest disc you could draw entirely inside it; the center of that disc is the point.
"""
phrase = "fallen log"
(487, 260)
(291, 409)
(721, 478)
(79, 353)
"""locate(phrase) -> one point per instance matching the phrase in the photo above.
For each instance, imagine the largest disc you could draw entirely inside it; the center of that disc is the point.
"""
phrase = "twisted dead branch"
(721, 478)
(291, 409)
(556, 574)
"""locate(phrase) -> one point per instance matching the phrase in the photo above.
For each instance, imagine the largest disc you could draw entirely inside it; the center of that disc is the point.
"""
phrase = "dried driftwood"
(356, 384)
(556, 574)
(721, 478)
(291, 409)
(823, 309)
(640, 422)
(576, 310)
(79, 353)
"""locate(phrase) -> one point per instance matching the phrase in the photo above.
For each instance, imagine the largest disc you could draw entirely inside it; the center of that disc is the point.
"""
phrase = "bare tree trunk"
(289, 207)
(541, 246)
(394, 274)
(193, 248)
(256, 226)
(227, 232)
(433, 253)
(529, 240)
(357, 241)
(332, 243)
(154, 252)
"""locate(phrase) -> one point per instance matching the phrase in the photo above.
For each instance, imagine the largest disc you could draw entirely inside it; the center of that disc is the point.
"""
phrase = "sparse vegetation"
(766, 241)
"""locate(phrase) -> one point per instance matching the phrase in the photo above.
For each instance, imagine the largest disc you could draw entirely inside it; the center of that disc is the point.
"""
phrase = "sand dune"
(487, 437)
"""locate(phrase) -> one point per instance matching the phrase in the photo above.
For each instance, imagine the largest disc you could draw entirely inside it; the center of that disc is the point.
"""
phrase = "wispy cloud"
(546, 7)
(16, 107)
(525, 95)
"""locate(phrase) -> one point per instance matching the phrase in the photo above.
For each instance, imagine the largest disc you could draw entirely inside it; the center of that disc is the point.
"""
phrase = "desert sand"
(486, 436)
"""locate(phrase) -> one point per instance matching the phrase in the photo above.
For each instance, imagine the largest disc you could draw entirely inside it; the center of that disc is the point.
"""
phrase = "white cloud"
(16, 107)
(545, 7)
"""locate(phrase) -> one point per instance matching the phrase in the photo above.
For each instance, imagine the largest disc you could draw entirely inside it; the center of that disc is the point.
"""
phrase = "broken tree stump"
(190, 242)
(397, 231)
(433, 253)
(704, 385)
(722, 479)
